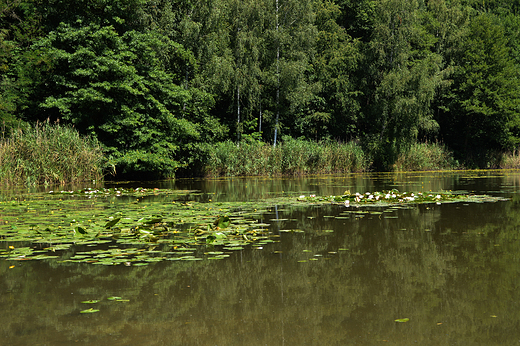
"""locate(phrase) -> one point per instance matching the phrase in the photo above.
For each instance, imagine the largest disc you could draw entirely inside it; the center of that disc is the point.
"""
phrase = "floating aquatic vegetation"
(393, 196)
(132, 234)
(119, 192)
(402, 320)
(79, 229)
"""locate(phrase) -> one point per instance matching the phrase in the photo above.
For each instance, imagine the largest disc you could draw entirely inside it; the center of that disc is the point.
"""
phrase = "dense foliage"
(49, 154)
(157, 81)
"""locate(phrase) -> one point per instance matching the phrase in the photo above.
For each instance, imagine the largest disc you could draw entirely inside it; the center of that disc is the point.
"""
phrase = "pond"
(295, 273)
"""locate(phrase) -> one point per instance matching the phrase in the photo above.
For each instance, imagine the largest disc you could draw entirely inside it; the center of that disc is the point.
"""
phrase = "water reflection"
(452, 269)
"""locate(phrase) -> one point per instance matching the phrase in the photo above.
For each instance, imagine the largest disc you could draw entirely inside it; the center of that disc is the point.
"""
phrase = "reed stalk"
(49, 154)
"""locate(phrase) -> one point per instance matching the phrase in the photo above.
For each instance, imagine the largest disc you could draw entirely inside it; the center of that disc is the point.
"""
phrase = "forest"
(160, 83)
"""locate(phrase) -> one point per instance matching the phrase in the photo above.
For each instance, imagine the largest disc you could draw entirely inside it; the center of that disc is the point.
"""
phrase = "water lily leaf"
(151, 221)
(111, 223)
(114, 298)
(81, 230)
(92, 301)
(215, 236)
(222, 222)
(88, 311)
(402, 320)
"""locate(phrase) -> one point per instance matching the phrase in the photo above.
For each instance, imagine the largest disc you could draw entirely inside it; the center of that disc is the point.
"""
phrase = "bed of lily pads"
(394, 196)
(136, 227)
(149, 225)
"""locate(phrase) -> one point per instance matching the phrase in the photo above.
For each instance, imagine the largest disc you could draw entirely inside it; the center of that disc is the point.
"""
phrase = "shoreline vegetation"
(257, 88)
(55, 154)
(49, 154)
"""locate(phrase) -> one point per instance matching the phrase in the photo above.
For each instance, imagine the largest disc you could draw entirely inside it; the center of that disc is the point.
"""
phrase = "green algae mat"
(136, 227)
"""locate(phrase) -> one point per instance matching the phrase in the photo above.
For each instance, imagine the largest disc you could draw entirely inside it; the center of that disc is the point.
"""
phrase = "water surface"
(342, 278)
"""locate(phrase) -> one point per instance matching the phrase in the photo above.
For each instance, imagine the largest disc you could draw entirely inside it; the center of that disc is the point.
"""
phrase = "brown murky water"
(451, 269)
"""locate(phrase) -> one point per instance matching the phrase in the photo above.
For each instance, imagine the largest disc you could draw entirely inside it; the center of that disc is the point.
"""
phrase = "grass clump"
(425, 157)
(290, 157)
(49, 154)
(510, 160)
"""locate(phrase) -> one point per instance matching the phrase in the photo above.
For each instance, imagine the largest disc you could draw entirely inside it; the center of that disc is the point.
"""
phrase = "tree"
(123, 89)
(124, 15)
(335, 108)
(482, 107)
(19, 27)
(290, 46)
(401, 74)
(357, 17)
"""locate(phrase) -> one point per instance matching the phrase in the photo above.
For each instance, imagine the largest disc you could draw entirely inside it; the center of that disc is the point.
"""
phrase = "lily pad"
(402, 320)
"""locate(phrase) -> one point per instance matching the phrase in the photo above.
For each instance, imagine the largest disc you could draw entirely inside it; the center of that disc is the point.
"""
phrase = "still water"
(452, 270)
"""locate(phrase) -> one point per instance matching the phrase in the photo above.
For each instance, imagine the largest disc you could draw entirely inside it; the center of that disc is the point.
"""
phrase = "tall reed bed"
(510, 160)
(291, 157)
(49, 154)
(425, 157)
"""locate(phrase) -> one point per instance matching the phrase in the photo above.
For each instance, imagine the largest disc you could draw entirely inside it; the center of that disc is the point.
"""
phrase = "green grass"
(301, 157)
(510, 160)
(291, 157)
(48, 154)
(425, 157)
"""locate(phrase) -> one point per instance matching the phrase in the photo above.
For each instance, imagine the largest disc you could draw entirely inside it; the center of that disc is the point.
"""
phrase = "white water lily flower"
(347, 203)
(387, 195)
(438, 196)
(370, 197)
(302, 196)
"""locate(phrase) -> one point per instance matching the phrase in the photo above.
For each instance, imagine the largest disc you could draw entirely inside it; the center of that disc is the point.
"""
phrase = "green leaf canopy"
(124, 89)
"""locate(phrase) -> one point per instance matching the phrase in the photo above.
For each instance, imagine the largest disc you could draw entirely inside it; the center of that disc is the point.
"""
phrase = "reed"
(510, 160)
(290, 157)
(425, 157)
(49, 154)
